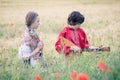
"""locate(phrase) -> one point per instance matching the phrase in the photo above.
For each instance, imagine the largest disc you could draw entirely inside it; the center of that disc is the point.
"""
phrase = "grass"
(101, 25)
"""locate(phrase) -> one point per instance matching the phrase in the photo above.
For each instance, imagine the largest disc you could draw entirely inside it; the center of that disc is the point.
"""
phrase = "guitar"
(66, 42)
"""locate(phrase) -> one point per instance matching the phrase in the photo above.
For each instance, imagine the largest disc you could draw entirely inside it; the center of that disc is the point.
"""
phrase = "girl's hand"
(26, 58)
(40, 45)
(76, 49)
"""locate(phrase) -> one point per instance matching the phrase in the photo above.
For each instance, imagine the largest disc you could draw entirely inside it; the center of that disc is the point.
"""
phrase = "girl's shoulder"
(25, 38)
(27, 35)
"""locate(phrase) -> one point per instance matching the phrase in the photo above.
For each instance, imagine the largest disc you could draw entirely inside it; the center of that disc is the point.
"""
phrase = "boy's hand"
(93, 48)
(75, 49)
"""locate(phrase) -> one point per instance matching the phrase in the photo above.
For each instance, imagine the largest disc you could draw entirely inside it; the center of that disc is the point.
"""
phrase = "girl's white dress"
(28, 43)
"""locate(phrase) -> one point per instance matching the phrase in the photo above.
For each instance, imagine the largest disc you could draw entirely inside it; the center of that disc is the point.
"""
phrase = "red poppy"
(22, 35)
(100, 46)
(63, 24)
(57, 75)
(82, 76)
(109, 69)
(37, 77)
(73, 75)
(11, 24)
(101, 65)
(14, 31)
(6, 37)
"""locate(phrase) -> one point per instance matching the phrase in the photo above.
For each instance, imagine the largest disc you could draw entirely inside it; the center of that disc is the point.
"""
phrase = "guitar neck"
(103, 49)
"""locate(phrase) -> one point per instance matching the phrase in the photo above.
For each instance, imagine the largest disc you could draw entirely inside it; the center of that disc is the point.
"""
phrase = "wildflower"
(108, 69)
(11, 24)
(14, 30)
(37, 77)
(57, 75)
(101, 65)
(73, 75)
(63, 24)
(82, 76)
(6, 37)
(100, 46)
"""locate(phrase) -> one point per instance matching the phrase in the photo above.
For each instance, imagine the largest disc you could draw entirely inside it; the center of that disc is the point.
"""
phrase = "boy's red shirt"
(78, 37)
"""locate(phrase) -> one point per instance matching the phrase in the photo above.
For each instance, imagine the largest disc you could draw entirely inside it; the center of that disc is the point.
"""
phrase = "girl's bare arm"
(39, 47)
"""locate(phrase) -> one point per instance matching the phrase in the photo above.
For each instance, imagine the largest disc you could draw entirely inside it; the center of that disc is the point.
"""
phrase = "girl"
(31, 46)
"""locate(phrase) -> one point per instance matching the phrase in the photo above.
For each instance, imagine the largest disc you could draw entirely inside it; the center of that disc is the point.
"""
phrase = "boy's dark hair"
(75, 18)
(30, 18)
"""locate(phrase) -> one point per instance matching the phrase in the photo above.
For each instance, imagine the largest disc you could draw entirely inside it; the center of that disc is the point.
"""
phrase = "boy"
(74, 33)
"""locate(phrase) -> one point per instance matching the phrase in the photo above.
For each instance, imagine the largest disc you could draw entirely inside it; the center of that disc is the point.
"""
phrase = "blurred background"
(102, 21)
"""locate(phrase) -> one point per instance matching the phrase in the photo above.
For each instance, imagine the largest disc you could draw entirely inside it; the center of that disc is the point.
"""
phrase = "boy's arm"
(90, 48)
(59, 47)
(87, 45)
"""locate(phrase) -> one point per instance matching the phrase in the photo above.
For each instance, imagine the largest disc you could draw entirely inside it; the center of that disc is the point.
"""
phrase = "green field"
(102, 22)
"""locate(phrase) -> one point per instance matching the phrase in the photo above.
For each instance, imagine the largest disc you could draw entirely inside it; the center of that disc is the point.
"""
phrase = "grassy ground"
(101, 25)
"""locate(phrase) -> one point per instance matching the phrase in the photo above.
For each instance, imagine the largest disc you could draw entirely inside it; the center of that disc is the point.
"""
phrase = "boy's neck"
(73, 27)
